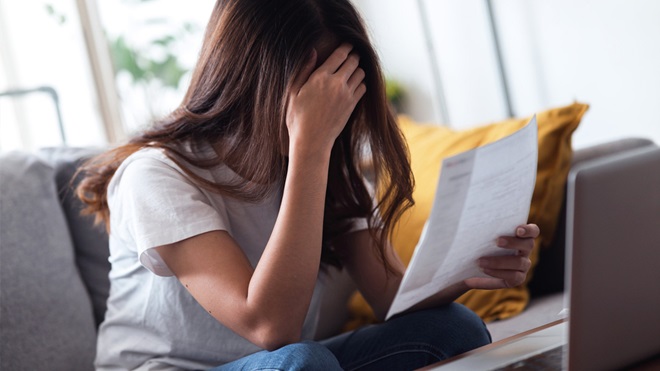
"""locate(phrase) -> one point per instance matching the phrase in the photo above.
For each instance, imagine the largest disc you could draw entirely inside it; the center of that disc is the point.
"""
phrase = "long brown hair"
(236, 103)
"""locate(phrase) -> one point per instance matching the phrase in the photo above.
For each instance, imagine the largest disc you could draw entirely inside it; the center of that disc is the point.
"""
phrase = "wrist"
(302, 150)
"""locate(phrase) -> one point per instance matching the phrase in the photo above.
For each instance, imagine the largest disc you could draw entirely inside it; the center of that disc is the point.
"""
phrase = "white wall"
(466, 58)
(602, 52)
(605, 53)
(456, 45)
(397, 32)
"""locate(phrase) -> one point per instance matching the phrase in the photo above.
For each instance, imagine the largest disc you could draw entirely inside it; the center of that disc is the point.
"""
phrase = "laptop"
(613, 260)
(612, 275)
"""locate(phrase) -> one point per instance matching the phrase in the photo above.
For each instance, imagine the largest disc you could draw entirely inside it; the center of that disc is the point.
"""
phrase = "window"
(154, 45)
(43, 46)
(113, 67)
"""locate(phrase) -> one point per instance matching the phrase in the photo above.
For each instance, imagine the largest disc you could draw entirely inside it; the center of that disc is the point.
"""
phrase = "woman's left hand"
(507, 270)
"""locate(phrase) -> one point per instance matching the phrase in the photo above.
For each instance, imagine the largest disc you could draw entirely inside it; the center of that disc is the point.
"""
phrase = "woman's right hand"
(322, 100)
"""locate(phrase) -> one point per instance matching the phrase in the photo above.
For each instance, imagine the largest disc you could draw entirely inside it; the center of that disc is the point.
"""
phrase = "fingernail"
(520, 231)
(501, 242)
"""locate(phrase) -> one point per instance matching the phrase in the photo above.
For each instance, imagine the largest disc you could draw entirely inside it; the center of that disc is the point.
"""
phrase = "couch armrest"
(90, 242)
(46, 320)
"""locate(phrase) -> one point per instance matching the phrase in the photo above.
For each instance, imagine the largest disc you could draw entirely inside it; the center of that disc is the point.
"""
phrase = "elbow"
(274, 337)
(267, 330)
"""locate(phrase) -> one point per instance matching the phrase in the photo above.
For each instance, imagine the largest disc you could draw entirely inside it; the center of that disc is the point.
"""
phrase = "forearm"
(284, 279)
(320, 102)
(357, 252)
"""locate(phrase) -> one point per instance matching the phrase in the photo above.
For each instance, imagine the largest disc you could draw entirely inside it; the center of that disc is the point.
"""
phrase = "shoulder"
(146, 171)
(155, 163)
(147, 159)
(154, 202)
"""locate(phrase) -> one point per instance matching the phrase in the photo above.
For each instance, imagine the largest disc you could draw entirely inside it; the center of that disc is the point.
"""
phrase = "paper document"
(482, 194)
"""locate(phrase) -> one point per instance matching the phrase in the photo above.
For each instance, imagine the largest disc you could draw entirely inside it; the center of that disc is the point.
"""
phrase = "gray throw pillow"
(46, 320)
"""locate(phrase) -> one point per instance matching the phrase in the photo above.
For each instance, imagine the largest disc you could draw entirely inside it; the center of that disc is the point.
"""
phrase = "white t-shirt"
(152, 322)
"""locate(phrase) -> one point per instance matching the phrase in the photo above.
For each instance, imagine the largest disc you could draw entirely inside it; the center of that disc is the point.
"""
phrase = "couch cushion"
(90, 242)
(46, 320)
(430, 144)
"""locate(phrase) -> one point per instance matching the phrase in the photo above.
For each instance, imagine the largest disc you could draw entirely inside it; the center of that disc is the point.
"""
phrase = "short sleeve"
(153, 203)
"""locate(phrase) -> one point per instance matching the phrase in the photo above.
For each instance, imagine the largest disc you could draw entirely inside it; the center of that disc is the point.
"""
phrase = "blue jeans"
(403, 343)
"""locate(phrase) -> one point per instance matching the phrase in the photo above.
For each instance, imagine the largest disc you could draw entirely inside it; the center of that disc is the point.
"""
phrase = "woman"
(223, 215)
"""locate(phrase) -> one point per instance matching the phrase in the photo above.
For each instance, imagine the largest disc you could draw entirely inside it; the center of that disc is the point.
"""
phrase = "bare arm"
(357, 254)
(268, 304)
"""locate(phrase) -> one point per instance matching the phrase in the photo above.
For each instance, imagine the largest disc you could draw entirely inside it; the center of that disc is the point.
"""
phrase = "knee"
(464, 324)
(455, 328)
(307, 355)
(471, 325)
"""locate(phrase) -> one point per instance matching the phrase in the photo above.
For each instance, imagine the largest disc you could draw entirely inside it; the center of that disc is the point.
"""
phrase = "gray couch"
(53, 267)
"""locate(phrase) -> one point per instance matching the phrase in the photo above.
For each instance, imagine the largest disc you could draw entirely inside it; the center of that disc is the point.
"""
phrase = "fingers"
(303, 76)
(523, 242)
(510, 270)
(504, 271)
(509, 262)
(349, 66)
(345, 64)
(503, 279)
(507, 270)
(528, 231)
(486, 283)
(359, 92)
(508, 278)
(522, 246)
(354, 75)
(356, 78)
(336, 59)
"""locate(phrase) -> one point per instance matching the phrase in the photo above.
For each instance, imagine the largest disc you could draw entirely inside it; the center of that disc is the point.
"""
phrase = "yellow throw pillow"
(430, 144)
